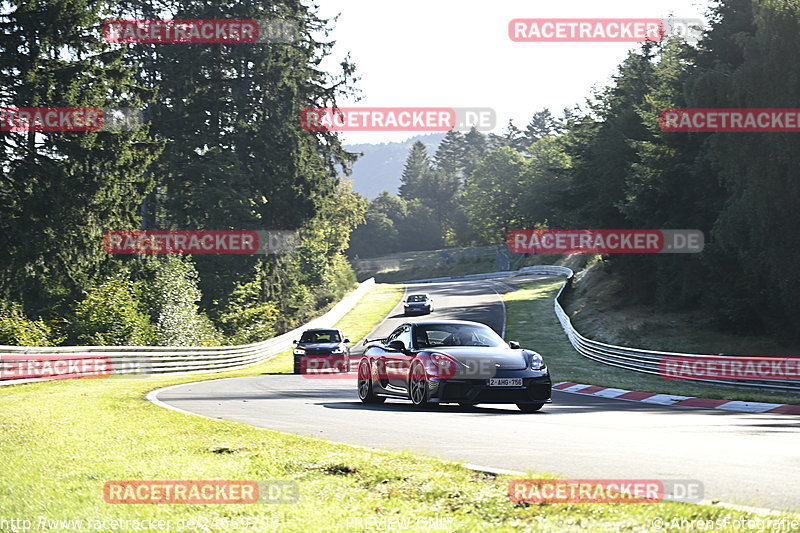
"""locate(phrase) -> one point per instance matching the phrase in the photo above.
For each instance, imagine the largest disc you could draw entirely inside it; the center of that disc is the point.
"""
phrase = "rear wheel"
(418, 391)
(297, 366)
(467, 405)
(529, 407)
(365, 392)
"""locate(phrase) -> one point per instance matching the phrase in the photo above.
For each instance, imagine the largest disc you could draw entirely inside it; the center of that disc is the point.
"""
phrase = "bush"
(247, 318)
(111, 314)
(171, 295)
(18, 330)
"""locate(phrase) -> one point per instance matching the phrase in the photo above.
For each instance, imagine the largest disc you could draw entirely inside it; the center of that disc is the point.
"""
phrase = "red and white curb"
(674, 399)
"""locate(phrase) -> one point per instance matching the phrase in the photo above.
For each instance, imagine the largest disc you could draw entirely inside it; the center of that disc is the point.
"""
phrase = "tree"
(418, 165)
(61, 191)
(492, 196)
(475, 149)
(543, 124)
(450, 155)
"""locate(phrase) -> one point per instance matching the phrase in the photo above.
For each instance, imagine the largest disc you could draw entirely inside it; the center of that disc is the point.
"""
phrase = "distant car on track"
(452, 361)
(320, 349)
(418, 303)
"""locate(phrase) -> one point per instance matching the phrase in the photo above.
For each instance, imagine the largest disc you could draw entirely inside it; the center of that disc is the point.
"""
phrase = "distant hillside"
(381, 165)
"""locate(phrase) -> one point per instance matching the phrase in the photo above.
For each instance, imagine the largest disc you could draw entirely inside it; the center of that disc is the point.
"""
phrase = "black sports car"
(320, 350)
(452, 362)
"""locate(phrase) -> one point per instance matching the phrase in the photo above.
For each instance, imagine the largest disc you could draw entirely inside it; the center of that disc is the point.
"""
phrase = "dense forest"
(607, 164)
(221, 148)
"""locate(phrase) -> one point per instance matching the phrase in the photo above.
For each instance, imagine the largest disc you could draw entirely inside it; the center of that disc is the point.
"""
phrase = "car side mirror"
(397, 346)
(514, 345)
(295, 342)
(347, 341)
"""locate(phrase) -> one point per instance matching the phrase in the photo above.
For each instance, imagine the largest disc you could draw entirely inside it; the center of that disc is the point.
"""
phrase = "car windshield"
(417, 298)
(428, 335)
(320, 336)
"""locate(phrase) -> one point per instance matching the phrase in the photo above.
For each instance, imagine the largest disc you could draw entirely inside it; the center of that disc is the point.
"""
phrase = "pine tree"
(418, 164)
(62, 190)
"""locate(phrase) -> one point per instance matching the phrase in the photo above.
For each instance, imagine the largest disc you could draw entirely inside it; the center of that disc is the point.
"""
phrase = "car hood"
(318, 345)
(486, 360)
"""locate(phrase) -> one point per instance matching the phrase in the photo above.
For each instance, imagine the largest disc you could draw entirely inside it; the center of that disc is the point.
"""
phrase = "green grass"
(62, 440)
(532, 321)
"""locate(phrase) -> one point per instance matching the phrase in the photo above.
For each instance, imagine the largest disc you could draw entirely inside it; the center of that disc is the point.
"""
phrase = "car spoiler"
(367, 341)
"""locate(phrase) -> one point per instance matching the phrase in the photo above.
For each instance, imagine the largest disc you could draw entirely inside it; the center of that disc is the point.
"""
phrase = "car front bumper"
(534, 389)
(320, 363)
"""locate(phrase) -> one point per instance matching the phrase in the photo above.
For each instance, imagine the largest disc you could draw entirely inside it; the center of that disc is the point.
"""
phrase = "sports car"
(452, 362)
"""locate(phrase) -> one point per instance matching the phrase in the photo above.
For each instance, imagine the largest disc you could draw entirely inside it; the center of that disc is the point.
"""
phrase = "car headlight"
(299, 351)
(537, 363)
(443, 365)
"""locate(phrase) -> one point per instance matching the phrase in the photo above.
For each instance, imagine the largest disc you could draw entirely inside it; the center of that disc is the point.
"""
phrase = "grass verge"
(532, 321)
(62, 440)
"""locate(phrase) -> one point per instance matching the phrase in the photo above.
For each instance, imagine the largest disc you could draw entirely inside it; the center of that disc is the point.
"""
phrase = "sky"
(457, 53)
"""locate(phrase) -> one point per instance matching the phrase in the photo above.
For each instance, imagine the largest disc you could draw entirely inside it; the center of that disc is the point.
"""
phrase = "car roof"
(419, 294)
(314, 330)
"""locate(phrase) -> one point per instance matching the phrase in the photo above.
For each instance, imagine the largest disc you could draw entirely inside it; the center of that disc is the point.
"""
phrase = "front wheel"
(365, 392)
(529, 407)
(418, 391)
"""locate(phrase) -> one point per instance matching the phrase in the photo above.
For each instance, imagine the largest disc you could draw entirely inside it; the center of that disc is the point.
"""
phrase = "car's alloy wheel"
(529, 407)
(418, 385)
(365, 392)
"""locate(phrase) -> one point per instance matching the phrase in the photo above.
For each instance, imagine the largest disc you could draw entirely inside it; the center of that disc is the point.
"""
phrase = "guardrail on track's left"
(182, 359)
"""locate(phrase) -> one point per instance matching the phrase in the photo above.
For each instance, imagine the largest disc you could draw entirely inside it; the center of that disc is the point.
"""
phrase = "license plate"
(505, 382)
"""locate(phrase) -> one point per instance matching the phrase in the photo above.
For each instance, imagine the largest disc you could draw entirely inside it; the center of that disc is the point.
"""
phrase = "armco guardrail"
(185, 360)
(637, 360)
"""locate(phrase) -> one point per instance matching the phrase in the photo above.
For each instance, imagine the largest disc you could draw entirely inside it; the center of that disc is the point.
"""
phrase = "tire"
(365, 392)
(529, 407)
(467, 405)
(418, 391)
(297, 366)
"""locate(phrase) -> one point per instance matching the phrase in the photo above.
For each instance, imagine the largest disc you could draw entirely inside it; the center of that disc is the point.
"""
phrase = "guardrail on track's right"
(635, 359)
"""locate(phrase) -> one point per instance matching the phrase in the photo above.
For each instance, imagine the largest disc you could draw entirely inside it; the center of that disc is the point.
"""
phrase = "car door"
(385, 357)
(399, 363)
